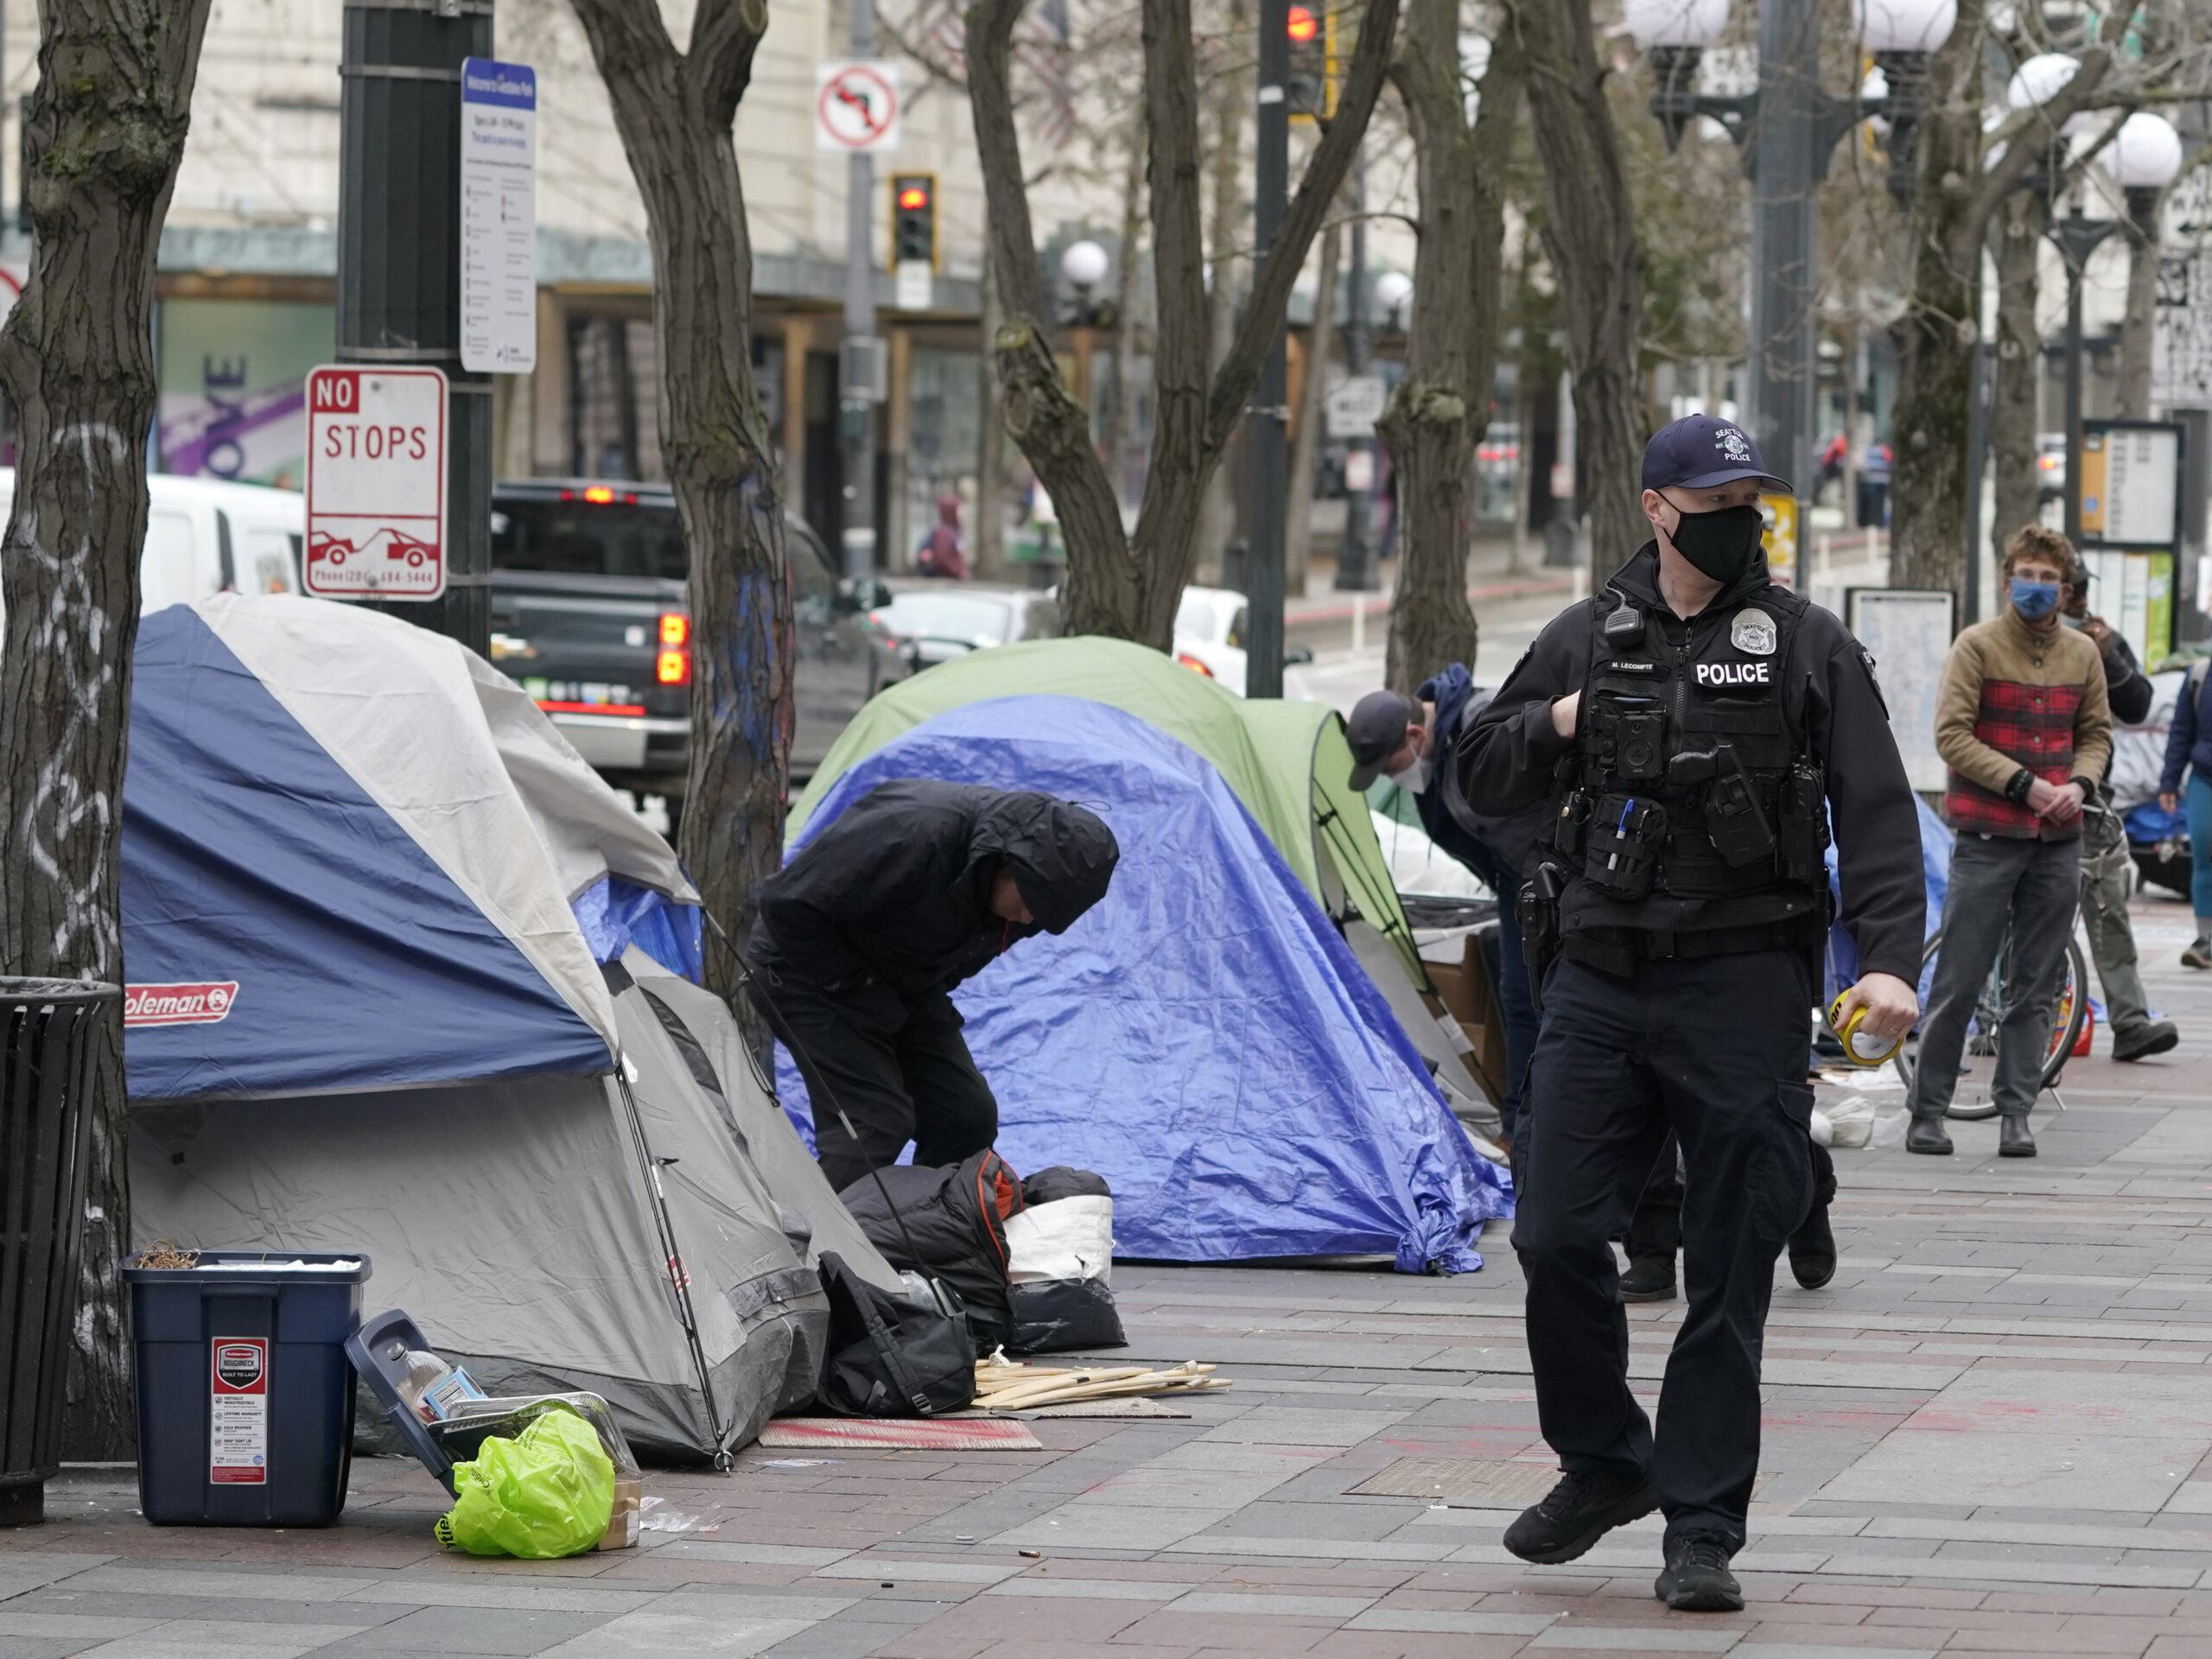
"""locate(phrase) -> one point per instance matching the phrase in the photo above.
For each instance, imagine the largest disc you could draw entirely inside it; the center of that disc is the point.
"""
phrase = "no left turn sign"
(856, 105)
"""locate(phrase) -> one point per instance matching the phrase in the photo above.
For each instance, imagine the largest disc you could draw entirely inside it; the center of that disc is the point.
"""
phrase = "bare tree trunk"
(1228, 233)
(1954, 197)
(988, 533)
(2136, 329)
(1441, 409)
(1590, 238)
(1122, 415)
(676, 112)
(2015, 240)
(1128, 586)
(105, 130)
(1306, 446)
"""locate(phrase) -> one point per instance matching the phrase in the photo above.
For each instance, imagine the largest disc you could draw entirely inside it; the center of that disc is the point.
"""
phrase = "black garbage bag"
(888, 1357)
(1053, 1315)
(954, 1229)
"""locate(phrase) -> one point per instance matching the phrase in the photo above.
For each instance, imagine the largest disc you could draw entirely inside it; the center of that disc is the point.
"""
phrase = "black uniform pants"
(1716, 1051)
(900, 1069)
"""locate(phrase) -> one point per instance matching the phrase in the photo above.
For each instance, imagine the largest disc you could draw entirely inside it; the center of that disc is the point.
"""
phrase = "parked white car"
(206, 536)
(1209, 627)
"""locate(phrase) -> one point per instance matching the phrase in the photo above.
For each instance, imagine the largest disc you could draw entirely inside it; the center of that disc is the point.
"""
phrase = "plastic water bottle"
(432, 1388)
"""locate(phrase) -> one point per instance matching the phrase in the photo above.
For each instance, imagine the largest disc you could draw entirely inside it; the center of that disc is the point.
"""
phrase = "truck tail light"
(673, 665)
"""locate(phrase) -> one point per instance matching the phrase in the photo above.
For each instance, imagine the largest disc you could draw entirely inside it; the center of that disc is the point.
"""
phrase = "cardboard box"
(622, 1525)
(1468, 997)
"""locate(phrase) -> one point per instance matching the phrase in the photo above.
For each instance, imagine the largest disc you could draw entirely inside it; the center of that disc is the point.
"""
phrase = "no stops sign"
(376, 483)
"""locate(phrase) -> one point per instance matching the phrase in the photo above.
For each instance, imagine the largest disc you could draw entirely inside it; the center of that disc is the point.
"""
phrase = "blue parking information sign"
(498, 217)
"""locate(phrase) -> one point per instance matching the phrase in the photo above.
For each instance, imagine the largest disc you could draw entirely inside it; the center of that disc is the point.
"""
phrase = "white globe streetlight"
(2145, 153)
(1392, 290)
(1675, 22)
(1084, 264)
(1904, 25)
(2040, 79)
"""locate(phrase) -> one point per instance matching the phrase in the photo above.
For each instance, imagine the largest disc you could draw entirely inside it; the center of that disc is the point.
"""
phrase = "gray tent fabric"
(515, 1220)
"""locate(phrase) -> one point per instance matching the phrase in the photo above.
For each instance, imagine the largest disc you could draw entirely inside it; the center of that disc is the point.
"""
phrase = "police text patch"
(1735, 673)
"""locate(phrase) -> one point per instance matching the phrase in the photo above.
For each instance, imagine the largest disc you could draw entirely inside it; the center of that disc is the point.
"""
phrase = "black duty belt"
(1617, 950)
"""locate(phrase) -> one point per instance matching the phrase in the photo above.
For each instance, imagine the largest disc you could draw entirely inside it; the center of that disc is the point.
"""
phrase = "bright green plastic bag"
(548, 1492)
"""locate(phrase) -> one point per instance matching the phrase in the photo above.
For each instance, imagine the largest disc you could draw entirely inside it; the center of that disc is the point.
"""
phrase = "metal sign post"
(400, 264)
(856, 111)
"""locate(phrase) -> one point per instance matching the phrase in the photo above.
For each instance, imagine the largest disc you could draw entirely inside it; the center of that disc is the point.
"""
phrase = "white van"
(207, 536)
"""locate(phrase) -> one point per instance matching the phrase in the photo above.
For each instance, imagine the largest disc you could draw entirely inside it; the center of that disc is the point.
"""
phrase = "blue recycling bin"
(246, 1396)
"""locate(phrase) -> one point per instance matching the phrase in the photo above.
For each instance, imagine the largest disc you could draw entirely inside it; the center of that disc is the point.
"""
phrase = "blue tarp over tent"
(1203, 1039)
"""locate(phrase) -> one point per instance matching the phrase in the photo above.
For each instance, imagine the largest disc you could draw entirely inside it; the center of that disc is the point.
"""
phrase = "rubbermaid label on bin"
(238, 1414)
(200, 1004)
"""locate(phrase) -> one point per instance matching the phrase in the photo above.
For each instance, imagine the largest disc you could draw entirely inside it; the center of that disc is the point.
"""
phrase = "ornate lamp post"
(1787, 129)
(2144, 157)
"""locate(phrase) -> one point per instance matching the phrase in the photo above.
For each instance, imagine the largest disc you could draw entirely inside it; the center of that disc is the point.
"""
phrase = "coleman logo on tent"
(179, 1005)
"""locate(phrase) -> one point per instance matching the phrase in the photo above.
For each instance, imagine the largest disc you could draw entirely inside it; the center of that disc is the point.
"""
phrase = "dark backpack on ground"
(955, 1219)
(888, 1357)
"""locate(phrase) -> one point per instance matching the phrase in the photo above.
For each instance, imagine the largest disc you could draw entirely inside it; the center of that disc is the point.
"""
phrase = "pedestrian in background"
(1406, 740)
(2106, 866)
(2189, 744)
(2022, 722)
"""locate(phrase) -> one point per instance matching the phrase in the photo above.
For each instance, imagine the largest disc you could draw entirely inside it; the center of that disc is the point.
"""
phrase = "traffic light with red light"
(1310, 83)
(1309, 86)
(913, 219)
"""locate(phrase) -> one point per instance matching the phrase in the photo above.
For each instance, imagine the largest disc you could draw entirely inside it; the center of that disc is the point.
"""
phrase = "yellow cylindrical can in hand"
(1869, 1051)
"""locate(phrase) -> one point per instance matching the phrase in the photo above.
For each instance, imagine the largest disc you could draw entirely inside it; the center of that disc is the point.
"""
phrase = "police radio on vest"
(1733, 673)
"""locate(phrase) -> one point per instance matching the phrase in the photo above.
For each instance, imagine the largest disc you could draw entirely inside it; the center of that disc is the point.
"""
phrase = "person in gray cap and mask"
(1407, 739)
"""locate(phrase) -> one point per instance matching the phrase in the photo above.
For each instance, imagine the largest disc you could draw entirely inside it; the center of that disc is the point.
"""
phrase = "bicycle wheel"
(1971, 1100)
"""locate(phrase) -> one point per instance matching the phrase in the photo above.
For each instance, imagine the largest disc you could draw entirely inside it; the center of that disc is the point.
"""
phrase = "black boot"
(1697, 1579)
(1927, 1135)
(2144, 1041)
(1577, 1513)
(1812, 1249)
(2013, 1140)
(1648, 1279)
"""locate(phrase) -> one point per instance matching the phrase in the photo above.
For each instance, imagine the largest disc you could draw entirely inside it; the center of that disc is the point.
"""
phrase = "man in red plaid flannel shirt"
(2022, 722)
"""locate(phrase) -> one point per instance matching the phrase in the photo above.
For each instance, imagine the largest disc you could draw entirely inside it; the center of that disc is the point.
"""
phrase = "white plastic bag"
(1068, 1238)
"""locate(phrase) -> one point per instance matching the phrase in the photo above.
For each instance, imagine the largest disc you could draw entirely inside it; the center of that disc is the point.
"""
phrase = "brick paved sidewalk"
(1993, 1433)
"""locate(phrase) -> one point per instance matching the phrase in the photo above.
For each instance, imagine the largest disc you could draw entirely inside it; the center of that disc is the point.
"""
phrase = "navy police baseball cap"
(1701, 451)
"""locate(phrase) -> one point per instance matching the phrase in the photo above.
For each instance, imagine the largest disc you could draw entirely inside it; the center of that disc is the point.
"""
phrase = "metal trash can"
(246, 1396)
(48, 1031)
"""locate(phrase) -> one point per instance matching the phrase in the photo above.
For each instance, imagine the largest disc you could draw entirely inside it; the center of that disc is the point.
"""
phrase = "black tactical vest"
(1688, 780)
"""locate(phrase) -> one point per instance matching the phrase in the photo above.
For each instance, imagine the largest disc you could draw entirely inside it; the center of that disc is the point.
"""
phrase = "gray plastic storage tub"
(246, 1396)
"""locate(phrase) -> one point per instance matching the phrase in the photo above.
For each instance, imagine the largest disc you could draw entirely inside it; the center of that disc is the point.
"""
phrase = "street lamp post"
(2144, 157)
(1788, 129)
(1354, 561)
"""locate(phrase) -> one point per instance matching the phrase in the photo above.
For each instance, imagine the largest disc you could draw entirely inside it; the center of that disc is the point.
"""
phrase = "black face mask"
(1724, 545)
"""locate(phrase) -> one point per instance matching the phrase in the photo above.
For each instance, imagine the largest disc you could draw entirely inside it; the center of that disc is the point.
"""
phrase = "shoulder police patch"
(1752, 632)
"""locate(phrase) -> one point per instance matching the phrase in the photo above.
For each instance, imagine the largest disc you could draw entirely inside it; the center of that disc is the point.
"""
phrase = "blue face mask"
(2034, 600)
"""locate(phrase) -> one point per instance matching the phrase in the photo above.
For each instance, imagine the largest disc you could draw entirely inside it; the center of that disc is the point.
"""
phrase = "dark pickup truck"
(590, 612)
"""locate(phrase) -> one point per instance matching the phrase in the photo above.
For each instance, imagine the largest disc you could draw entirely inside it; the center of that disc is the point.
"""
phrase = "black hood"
(1062, 857)
(1639, 580)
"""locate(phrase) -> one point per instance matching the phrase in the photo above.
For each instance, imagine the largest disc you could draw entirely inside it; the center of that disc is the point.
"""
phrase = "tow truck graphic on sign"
(376, 483)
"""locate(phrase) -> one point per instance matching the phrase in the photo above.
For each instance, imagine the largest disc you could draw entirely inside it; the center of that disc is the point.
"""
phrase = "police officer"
(1698, 728)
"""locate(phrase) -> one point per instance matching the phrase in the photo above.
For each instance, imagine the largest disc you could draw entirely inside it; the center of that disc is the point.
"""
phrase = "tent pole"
(679, 1276)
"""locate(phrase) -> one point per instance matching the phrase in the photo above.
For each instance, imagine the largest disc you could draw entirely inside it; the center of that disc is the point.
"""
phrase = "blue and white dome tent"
(406, 977)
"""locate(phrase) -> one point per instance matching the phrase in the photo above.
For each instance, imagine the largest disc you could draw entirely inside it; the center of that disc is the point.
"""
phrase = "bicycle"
(2069, 1013)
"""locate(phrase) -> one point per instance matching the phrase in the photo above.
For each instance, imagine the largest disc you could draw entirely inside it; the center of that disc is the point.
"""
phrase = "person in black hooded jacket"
(916, 886)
